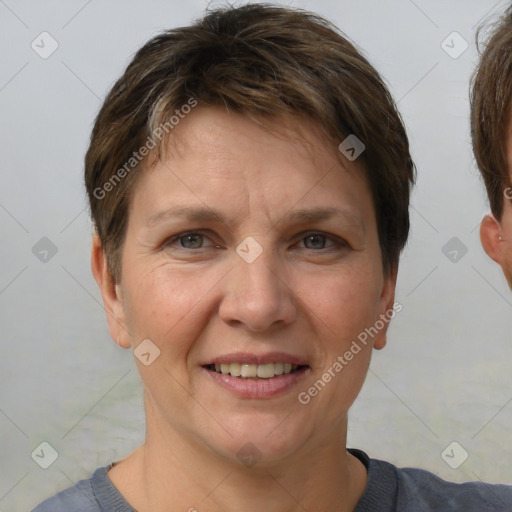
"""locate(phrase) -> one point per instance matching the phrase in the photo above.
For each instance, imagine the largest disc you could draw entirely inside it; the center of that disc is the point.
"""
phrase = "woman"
(249, 181)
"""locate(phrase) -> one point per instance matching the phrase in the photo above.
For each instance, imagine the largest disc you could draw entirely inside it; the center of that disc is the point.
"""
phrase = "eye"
(190, 240)
(316, 241)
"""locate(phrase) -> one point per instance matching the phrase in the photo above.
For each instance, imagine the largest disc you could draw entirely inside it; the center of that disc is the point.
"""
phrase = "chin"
(261, 441)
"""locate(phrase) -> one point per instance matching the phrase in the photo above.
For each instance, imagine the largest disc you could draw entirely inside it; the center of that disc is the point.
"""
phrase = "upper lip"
(250, 358)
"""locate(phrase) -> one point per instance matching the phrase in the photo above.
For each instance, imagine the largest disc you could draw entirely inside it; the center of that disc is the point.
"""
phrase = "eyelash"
(336, 243)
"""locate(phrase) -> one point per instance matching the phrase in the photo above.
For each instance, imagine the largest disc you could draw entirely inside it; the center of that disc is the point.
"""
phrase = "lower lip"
(258, 388)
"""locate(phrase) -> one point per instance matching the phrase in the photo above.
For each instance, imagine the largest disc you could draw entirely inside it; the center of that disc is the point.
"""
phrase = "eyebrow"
(191, 213)
(305, 215)
(317, 214)
(312, 215)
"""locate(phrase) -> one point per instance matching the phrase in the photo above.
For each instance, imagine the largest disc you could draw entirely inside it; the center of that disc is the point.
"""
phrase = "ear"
(387, 309)
(490, 237)
(111, 294)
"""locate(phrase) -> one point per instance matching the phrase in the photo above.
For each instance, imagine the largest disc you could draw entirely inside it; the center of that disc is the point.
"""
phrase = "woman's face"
(257, 252)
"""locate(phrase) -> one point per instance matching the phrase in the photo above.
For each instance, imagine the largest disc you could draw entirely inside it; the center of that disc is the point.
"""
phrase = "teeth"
(265, 371)
(252, 371)
(278, 368)
(249, 370)
(235, 369)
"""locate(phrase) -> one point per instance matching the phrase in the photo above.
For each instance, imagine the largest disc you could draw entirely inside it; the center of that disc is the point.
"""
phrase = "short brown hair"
(491, 94)
(261, 61)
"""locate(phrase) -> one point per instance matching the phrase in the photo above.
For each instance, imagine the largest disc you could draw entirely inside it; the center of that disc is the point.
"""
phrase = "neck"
(173, 472)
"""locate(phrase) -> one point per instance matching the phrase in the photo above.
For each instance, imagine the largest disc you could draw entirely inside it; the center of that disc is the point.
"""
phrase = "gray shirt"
(389, 489)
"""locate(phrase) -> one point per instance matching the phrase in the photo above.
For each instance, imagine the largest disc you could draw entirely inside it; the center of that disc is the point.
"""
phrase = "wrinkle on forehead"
(201, 145)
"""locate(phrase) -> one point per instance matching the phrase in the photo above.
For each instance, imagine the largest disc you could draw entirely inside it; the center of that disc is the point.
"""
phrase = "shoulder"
(392, 489)
(427, 492)
(79, 498)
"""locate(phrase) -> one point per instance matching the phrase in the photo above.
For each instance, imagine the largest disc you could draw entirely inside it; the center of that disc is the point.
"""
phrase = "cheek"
(346, 309)
(344, 302)
(169, 306)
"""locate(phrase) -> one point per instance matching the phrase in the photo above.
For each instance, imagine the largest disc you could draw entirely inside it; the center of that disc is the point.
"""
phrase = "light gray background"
(445, 375)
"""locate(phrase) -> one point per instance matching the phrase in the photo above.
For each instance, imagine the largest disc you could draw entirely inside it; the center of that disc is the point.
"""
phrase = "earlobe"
(490, 237)
(110, 293)
(387, 308)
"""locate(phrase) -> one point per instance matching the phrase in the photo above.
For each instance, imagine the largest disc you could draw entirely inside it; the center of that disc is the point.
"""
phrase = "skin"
(496, 235)
(197, 303)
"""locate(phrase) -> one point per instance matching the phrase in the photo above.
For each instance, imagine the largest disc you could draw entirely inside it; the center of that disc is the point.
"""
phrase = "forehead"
(212, 132)
(230, 160)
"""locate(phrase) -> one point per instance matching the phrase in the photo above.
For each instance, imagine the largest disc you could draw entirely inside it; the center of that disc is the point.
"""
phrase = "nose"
(258, 296)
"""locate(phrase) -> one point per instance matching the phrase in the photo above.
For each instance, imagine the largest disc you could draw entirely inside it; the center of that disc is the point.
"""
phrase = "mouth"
(263, 371)
(257, 376)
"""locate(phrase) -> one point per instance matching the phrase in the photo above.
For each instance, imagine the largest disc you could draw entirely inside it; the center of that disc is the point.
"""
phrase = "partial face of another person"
(496, 235)
(251, 250)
